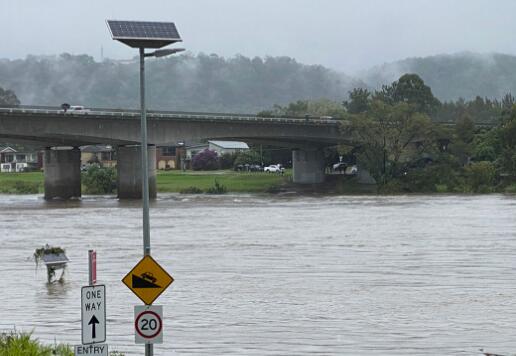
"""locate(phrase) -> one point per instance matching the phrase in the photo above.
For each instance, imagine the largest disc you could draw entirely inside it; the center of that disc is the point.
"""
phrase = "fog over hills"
(461, 75)
(239, 84)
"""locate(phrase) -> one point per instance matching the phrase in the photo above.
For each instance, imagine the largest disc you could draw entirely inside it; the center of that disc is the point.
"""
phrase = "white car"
(76, 109)
(274, 168)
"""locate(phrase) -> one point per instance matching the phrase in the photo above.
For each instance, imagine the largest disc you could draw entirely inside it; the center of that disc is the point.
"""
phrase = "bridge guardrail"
(163, 115)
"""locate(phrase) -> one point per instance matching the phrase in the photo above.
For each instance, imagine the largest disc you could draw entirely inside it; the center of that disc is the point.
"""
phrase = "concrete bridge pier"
(308, 166)
(129, 173)
(62, 171)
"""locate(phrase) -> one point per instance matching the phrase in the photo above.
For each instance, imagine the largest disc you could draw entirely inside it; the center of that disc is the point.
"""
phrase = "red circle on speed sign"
(156, 330)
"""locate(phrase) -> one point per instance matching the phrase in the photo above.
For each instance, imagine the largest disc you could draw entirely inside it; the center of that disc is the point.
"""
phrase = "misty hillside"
(190, 83)
(454, 76)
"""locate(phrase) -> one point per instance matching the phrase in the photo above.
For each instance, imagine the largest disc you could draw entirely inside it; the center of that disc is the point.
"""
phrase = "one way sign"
(93, 314)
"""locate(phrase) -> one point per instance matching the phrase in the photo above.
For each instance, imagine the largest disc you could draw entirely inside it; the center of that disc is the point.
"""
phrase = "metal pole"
(149, 350)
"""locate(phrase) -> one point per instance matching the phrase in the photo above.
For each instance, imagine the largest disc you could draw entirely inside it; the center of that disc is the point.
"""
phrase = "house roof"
(230, 144)
(6, 149)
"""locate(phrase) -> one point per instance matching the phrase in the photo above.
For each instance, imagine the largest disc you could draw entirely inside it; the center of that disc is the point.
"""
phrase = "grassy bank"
(13, 343)
(167, 181)
(21, 183)
(177, 181)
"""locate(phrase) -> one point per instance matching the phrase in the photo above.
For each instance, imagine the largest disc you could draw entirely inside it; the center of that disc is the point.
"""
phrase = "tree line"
(400, 137)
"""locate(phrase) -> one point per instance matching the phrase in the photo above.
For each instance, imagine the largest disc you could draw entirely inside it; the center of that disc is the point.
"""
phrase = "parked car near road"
(274, 168)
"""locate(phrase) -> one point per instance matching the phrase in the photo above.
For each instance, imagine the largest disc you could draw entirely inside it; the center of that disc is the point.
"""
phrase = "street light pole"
(141, 35)
(145, 159)
(149, 348)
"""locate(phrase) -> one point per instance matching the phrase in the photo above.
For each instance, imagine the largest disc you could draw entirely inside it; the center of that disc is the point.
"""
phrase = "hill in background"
(185, 83)
(461, 75)
(239, 84)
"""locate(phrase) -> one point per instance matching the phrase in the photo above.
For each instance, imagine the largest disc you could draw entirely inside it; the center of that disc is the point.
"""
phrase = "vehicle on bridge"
(74, 109)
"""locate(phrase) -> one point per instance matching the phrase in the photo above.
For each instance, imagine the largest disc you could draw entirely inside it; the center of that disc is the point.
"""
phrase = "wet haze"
(345, 35)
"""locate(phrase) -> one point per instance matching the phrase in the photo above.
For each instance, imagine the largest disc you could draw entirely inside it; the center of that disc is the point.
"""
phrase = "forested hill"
(462, 75)
(192, 83)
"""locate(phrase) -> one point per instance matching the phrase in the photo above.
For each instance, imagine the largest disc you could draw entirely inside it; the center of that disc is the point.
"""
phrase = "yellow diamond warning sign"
(148, 280)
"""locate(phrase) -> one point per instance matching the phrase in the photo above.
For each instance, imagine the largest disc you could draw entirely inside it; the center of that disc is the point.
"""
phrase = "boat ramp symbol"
(147, 280)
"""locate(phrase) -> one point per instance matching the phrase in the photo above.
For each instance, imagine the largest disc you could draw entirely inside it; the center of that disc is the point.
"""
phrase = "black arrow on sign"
(92, 322)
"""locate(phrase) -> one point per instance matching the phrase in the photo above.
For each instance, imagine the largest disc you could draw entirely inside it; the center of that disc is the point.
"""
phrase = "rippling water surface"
(261, 275)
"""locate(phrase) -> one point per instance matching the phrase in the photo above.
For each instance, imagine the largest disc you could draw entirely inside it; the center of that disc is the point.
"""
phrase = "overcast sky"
(347, 35)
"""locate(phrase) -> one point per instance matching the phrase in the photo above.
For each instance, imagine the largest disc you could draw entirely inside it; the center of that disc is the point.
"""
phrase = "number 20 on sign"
(148, 324)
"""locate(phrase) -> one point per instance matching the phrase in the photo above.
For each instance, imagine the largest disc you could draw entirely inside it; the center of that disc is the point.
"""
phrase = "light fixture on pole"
(142, 35)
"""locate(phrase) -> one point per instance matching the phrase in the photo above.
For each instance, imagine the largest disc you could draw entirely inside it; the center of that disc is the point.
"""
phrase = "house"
(103, 155)
(227, 147)
(170, 157)
(12, 160)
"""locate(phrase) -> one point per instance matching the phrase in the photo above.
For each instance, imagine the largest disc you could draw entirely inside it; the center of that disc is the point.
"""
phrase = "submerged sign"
(96, 350)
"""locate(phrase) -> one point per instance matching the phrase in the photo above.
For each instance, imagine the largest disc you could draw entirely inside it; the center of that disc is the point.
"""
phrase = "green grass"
(22, 344)
(21, 183)
(14, 343)
(176, 181)
(167, 181)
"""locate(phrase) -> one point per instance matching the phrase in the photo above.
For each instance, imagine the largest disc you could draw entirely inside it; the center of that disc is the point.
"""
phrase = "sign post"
(92, 267)
(93, 314)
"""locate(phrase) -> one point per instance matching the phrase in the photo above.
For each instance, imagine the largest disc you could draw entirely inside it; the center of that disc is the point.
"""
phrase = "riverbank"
(240, 182)
(167, 181)
(14, 343)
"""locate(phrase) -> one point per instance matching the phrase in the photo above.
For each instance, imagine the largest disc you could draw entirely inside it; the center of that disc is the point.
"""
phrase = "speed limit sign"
(148, 324)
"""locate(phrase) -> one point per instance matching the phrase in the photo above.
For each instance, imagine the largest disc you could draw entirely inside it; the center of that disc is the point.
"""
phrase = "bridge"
(60, 134)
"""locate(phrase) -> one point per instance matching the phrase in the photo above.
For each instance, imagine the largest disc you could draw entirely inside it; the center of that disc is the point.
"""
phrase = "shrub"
(217, 188)
(21, 344)
(247, 157)
(99, 180)
(206, 160)
(511, 189)
(226, 160)
(480, 176)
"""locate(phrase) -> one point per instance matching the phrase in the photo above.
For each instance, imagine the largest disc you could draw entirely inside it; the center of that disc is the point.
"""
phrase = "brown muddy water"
(266, 275)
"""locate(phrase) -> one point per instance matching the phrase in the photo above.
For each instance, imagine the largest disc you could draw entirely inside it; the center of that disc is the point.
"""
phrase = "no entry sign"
(148, 324)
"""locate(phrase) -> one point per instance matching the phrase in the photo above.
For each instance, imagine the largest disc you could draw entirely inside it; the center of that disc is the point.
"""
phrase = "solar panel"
(144, 34)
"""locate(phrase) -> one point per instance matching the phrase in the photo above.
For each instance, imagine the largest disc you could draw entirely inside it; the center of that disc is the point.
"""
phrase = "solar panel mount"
(144, 34)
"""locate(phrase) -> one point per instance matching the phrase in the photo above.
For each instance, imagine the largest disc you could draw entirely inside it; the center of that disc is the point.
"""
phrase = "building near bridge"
(102, 155)
(12, 160)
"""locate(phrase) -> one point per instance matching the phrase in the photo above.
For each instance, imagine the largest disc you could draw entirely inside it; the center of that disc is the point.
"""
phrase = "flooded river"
(262, 275)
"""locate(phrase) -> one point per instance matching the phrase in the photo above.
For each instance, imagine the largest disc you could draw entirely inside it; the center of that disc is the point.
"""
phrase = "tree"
(99, 180)
(8, 97)
(359, 101)
(391, 137)
(301, 108)
(206, 160)
(465, 128)
(248, 157)
(410, 89)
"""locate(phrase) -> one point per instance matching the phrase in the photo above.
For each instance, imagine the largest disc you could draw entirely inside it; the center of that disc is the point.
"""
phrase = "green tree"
(248, 157)
(390, 138)
(465, 128)
(481, 176)
(312, 108)
(99, 180)
(410, 89)
(359, 101)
